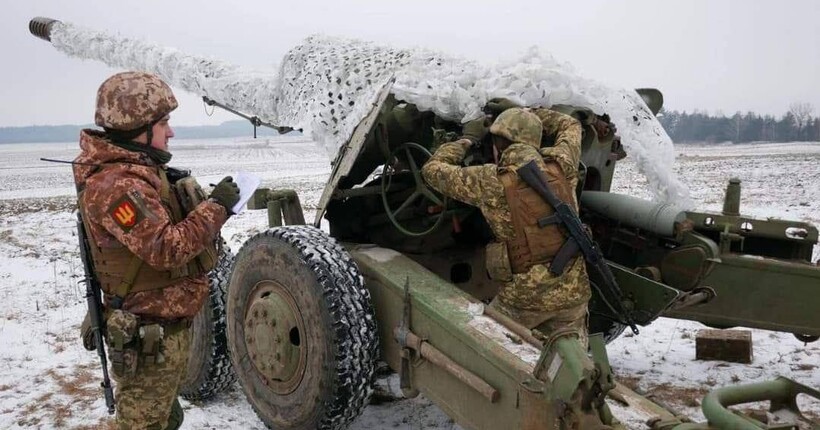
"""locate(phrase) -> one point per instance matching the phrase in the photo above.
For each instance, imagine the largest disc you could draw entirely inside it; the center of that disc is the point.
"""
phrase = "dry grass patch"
(28, 415)
(7, 237)
(13, 315)
(45, 397)
(665, 393)
(759, 413)
(804, 367)
(631, 382)
(59, 337)
(102, 424)
(59, 413)
(672, 395)
(58, 344)
(80, 384)
(76, 391)
(37, 204)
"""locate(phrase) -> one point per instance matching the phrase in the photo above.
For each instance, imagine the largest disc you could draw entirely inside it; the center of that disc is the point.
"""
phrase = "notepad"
(247, 185)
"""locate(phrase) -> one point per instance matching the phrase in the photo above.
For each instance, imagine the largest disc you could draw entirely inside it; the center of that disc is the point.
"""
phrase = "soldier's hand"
(226, 193)
(476, 129)
(604, 128)
(499, 104)
(612, 129)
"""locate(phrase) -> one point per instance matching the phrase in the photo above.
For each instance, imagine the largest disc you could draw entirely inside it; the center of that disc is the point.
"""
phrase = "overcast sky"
(714, 55)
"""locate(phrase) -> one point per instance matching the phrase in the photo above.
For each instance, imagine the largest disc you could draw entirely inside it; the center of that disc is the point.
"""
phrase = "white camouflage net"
(326, 86)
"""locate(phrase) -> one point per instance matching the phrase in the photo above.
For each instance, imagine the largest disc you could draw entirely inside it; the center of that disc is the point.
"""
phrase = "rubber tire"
(806, 338)
(341, 335)
(209, 365)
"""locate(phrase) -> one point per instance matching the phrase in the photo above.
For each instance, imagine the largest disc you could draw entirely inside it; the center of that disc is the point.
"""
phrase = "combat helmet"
(519, 126)
(133, 102)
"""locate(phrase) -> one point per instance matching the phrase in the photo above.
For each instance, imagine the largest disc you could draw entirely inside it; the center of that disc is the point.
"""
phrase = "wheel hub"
(273, 329)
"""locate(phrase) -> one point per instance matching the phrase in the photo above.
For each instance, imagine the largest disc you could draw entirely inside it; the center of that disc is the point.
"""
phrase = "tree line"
(70, 133)
(798, 124)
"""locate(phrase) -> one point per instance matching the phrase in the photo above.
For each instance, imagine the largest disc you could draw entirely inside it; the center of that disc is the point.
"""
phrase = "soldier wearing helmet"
(147, 249)
(521, 254)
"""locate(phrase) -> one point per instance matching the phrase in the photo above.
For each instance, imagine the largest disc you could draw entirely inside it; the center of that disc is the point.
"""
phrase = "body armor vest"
(121, 272)
(531, 244)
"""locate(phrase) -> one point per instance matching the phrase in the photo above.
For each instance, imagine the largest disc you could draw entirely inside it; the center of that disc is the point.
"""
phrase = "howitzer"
(578, 241)
(93, 296)
(350, 293)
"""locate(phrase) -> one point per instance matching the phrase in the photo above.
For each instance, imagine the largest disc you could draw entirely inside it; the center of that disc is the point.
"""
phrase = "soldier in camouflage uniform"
(522, 254)
(146, 252)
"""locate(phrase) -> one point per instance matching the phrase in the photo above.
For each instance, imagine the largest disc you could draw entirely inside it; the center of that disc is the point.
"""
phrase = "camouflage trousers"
(148, 398)
(548, 322)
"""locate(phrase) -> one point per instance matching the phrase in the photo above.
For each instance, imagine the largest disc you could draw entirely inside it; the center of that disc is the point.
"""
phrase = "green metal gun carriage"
(422, 259)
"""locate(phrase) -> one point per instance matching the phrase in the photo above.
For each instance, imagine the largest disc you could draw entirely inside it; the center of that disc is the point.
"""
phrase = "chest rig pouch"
(529, 244)
(121, 272)
(188, 194)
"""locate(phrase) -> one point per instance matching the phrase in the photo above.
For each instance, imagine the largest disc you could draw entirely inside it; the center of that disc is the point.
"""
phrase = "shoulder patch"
(126, 212)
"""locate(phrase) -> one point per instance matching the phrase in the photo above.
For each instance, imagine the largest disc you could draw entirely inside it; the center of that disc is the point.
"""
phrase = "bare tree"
(802, 112)
(737, 119)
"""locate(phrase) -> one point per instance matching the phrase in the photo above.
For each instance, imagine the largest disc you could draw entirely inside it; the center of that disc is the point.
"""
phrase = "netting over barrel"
(325, 86)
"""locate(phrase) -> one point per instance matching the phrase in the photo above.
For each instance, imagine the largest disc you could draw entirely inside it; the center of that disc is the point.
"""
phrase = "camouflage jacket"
(152, 236)
(480, 186)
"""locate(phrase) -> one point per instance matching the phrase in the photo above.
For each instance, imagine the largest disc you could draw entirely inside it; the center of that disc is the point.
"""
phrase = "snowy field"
(47, 380)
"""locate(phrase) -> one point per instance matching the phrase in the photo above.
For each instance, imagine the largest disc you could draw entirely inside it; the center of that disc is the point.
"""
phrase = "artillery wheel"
(421, 191)
(209, 366)
(301, 329)
(805, 338)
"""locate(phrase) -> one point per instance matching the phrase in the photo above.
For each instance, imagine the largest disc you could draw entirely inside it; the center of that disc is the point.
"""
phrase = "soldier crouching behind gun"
(149, 255)
(522, 254)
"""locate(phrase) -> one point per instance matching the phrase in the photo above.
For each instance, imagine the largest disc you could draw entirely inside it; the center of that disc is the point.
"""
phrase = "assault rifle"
(579, 240)
(93, 296)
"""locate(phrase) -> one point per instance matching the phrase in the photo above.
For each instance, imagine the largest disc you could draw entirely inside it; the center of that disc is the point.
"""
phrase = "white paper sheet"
(247, 185)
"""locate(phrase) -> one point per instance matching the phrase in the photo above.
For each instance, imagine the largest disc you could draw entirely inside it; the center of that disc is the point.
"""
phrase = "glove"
(476, 129)
(226, 193)
(604, 128)
(499, 104)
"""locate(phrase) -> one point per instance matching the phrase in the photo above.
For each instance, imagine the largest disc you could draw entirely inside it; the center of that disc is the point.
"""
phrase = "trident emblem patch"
(125, 213)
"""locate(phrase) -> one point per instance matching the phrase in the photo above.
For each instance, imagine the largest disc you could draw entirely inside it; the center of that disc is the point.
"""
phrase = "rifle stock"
(93, 296)
(610, 294)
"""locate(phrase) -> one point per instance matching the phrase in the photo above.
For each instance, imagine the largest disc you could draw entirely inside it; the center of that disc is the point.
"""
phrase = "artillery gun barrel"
(659, 218)
(237, 87)
(41, 27)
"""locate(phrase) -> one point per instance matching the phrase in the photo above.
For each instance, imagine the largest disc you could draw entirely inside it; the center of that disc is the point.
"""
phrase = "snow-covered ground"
(47, 380)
